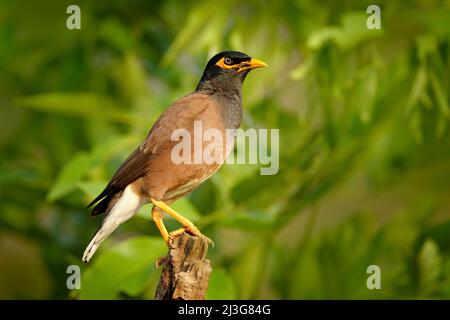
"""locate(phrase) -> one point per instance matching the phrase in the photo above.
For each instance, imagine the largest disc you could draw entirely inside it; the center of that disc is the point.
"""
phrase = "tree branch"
(186, 272)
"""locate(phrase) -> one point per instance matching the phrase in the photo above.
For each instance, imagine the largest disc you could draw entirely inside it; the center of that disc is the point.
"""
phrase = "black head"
(229, 67)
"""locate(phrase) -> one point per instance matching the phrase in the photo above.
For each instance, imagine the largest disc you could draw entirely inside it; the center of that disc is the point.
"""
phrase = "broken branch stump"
(185, 272)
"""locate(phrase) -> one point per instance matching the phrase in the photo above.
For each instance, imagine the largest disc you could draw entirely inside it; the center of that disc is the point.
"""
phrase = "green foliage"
(73, 171)
(77, 104)
(429, 265)
(127, 268)
(364, 145)
(221, 286)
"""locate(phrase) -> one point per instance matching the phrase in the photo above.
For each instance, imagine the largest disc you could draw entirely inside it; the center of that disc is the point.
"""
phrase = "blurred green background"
(364, 145)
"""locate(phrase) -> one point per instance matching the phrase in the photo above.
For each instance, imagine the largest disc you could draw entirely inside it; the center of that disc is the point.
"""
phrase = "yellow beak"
(252, 64)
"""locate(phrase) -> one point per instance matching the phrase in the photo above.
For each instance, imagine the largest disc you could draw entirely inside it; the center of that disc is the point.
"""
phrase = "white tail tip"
(90, 250)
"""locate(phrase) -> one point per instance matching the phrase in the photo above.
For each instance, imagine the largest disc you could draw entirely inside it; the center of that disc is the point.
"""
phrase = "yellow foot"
(188, 226)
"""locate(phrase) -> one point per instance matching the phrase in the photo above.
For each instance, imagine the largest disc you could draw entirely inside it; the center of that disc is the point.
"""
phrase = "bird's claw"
(192, 230)
(208, 240)
(195, 232)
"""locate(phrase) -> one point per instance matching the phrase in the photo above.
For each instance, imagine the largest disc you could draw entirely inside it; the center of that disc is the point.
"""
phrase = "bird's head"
(229, 67)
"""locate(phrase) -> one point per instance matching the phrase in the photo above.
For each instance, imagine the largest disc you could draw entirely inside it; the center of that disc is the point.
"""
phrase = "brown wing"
(179, 115)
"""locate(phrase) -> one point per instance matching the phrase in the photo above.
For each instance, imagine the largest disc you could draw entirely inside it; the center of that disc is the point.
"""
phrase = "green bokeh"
(363, 116)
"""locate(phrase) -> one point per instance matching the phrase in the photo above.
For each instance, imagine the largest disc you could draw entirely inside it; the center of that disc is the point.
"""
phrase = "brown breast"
(167, 180)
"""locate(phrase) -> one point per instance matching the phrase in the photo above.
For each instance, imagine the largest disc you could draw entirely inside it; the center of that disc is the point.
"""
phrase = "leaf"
(86, 105)
(69, 176)
(426, 45)
(429, 265)
(131, 79)
(196, 20)
(115, 34)
(99, 155)
(441, 95)
(352, 31)
(307, 276)
(127, 267)
(221, 286)
(91, 188)
(317, 39)
(418, 88)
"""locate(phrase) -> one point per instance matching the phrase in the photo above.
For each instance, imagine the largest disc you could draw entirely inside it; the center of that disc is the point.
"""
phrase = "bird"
(149, 174)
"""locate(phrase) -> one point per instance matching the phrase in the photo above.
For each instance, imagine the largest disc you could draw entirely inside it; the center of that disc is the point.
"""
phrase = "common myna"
(150, 173)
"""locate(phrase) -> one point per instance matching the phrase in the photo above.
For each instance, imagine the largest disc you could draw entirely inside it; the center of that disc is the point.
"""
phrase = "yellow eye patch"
(221, 63)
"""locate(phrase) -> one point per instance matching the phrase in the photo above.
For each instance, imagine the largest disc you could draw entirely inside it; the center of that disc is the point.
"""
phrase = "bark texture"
(185, 272)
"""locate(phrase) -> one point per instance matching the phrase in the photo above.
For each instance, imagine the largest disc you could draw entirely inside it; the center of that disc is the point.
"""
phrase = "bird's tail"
(92, 247)
(126, 207)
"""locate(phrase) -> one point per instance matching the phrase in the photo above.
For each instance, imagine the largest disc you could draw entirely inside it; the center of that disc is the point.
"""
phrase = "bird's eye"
(228, 61)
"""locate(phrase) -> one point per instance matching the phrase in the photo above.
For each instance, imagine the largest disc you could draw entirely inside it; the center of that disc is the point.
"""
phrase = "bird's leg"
(157, 218)
(188, 226)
